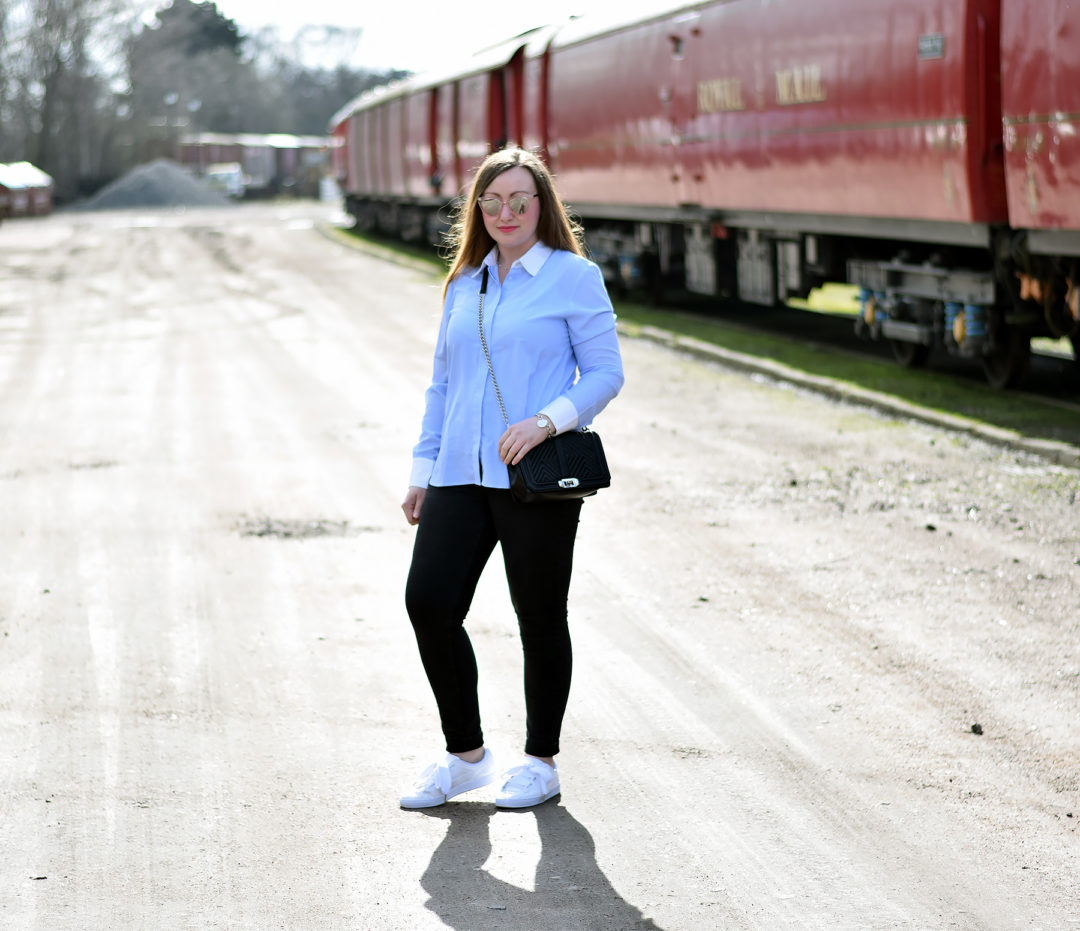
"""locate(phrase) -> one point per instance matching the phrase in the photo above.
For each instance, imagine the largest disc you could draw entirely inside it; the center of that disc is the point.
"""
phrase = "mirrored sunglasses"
(518, 202)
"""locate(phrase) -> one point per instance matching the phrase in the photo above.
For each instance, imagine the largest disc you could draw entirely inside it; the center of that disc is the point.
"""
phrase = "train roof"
(535, 41)
(582, 28)
(486, 59)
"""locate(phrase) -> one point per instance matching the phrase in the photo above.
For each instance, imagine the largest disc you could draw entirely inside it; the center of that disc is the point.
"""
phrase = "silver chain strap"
(487, 355)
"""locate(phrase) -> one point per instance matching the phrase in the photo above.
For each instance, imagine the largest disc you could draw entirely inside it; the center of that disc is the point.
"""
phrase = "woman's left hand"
(519, 438)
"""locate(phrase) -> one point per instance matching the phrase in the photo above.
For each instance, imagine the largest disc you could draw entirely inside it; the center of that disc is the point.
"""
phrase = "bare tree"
(6, 89)
(57, 97)
(185, 72)
(90, 88)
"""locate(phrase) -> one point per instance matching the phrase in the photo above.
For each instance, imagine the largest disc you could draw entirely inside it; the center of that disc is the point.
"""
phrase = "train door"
(478, 122)
(444, 180)
(513, 98)
(534, 112)
(431, 144)
(378, 150)
(417, 144)
(687, 48)
(687, 146)
(395, 116)
(498, 135)
(363, 142)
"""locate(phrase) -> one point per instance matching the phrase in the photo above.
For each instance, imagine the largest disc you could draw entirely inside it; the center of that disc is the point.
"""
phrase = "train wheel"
(1006, 364)
(909, 355)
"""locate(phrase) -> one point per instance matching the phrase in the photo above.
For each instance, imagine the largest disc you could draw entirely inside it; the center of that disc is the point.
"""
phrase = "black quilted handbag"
(569, 465)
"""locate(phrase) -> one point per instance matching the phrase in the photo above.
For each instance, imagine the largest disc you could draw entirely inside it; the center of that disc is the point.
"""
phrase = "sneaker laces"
(520, 777)
(437, 775)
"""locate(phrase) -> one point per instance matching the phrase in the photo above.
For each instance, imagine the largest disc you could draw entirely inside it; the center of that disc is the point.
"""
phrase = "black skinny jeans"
(459, 527)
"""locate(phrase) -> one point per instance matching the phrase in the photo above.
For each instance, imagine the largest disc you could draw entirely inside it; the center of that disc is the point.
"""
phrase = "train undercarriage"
(988, 314)
(980, 302)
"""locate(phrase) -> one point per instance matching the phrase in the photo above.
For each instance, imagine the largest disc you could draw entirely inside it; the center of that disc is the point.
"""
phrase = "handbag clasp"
(568, 483)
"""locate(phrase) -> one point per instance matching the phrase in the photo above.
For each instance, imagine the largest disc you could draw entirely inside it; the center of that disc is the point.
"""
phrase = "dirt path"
(789, 616)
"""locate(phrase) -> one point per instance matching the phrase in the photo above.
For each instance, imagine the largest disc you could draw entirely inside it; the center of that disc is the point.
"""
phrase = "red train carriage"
(751, 106)
(1041, 115)
(760, 147)
(411, 147)
(767, 147)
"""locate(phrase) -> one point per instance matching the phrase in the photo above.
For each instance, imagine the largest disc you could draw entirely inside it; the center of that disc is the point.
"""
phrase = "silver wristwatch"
(544, 423)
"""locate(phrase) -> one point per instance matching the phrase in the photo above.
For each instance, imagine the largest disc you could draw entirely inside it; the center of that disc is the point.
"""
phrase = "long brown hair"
(468, 238)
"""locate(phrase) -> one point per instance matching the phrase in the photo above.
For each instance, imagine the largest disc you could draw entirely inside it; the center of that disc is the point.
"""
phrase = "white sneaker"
(528, 784)
(449, 777)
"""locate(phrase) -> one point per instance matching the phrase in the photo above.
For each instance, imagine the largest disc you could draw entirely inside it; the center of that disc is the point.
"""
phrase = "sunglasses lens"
(492, 205)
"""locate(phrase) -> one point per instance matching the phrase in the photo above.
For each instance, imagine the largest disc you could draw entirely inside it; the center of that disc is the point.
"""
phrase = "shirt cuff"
(421, 472)
(562, 413)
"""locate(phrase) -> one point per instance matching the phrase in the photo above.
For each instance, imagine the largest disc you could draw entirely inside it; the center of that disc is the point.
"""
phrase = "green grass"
(1026, 415)
(392, 250)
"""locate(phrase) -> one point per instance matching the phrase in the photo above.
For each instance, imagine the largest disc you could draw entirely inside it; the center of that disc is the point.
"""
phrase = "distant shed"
(14, 193)
(25, 190)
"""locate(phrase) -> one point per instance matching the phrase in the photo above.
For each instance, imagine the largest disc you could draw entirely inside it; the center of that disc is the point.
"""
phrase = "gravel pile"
(162, 183)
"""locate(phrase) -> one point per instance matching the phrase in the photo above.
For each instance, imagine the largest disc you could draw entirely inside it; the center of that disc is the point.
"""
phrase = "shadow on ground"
(570, 890)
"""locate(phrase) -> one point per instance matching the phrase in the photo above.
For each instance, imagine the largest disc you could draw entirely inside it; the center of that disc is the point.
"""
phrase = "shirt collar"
(532, 261)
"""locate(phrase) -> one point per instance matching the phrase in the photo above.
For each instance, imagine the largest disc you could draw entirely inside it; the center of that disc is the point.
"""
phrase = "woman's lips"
(507, 229)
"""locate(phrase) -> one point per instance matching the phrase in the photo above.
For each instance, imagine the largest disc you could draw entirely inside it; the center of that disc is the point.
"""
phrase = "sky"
(418, 35)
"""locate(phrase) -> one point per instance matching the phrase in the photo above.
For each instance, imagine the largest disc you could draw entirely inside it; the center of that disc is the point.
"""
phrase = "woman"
(551, 334)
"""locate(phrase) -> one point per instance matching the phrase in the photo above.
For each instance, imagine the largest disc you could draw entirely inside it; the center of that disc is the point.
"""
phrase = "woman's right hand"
(413, 502)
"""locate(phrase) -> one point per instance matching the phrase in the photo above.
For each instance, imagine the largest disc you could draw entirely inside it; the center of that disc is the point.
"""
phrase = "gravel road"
(826, 660)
